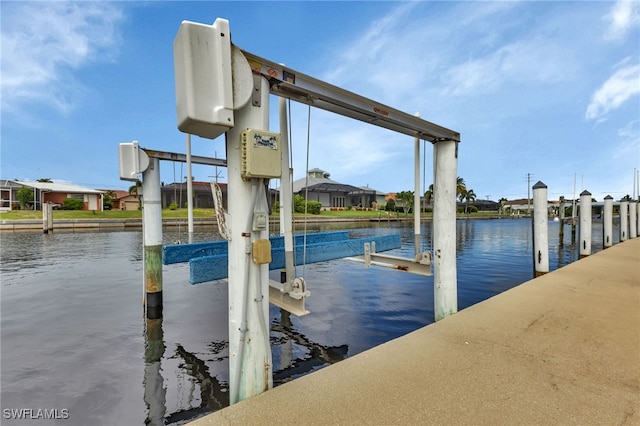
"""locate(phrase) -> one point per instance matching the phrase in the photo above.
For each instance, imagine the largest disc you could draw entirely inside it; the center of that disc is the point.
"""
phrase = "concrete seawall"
(94, 224)
(563, 348)
(115, 224)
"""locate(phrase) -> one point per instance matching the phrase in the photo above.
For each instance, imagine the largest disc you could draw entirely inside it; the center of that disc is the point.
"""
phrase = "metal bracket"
(257, 90)
(420, 265)
(289, 296)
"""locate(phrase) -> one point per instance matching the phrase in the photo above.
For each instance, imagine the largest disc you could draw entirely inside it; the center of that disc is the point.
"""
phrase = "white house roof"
(59, 187)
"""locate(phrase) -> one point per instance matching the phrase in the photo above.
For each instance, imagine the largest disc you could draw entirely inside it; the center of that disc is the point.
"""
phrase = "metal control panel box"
(260, 154)
(132, 161)
(202, 67)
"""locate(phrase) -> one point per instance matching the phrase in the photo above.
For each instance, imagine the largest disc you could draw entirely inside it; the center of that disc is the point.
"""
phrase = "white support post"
(540, 230)
(585, 224)
(416, 193)
(624, 220)
(152, 225)
(250, 370)
(444, 228)
(50, 217)
(607, 222)
(46, 216)
(633, 230)
(638, 219)
(189, 191)
(286, 194)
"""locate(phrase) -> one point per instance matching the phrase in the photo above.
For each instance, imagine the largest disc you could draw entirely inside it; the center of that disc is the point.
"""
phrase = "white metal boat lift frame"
(221, 89)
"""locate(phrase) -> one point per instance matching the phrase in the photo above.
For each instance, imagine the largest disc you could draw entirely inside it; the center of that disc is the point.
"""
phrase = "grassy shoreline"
(206, 213)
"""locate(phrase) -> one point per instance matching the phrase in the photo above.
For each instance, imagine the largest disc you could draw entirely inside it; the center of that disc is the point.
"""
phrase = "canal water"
(74, 341)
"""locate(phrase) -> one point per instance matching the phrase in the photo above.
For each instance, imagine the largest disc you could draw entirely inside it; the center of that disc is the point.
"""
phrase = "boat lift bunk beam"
(182, 158)
(288, 83)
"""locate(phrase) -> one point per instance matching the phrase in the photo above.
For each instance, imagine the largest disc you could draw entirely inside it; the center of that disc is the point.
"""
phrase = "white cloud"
(43, 41)
(624, 16)
(537, 60)
(629, 146)
(346, 148)
(619, 88)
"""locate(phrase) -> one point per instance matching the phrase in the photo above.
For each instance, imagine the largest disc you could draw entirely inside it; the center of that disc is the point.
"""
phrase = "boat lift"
(222, 89)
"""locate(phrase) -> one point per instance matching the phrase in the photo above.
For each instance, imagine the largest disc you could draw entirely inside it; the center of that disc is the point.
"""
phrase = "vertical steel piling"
(416, 194)
(444, 229)
(250, 370)
(540, 230)
(633, 230)
(561, 217)
(607, 222)
(624, 220)
(585, 224)
(152, 218)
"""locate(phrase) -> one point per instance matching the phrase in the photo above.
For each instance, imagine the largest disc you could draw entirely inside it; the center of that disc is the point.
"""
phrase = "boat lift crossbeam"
(182, 158)
(300, 87)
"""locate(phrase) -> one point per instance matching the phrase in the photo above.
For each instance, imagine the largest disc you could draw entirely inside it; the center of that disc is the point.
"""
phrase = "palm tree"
(428, 195)
(469, 196)
(460, 186)
(134, 190)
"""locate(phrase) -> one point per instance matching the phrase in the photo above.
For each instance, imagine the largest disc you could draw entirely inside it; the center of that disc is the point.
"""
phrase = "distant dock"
(563, 348)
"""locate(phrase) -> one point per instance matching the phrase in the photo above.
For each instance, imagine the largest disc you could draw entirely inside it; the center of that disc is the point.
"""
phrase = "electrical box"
(262, 251)
(260, 221)
(202, 67)
(132, 161)
(260, 154)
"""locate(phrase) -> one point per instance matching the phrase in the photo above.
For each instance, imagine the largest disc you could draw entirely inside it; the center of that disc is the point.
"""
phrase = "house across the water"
(317, 186)
(47, 192)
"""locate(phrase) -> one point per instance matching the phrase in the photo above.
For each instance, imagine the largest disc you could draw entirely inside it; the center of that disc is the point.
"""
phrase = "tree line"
(464, 194)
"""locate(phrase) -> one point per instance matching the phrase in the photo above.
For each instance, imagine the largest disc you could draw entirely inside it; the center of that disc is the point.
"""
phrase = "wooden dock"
(561, 349)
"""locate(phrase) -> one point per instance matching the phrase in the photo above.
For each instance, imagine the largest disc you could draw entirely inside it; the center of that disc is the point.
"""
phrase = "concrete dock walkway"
(561, 349)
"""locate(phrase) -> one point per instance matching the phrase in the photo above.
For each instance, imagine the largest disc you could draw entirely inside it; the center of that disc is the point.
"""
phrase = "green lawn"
(197, 213)
(107, 214)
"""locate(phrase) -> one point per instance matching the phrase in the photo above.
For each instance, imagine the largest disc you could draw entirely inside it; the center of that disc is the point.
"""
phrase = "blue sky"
(550, 89)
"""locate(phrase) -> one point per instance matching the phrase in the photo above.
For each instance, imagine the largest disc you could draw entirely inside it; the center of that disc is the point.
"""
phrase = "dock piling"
(47, 217)
(561, 216)
(445, 281)
(624, 220)
(152, 219)
(607, 222)
(585, 224)
(416, 193)
(633, 230)
(540, 222)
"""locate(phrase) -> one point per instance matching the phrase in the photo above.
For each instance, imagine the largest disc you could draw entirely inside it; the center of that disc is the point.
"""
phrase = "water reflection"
(213, 394)
(294, 355)
(283, 339)
(154, 391)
